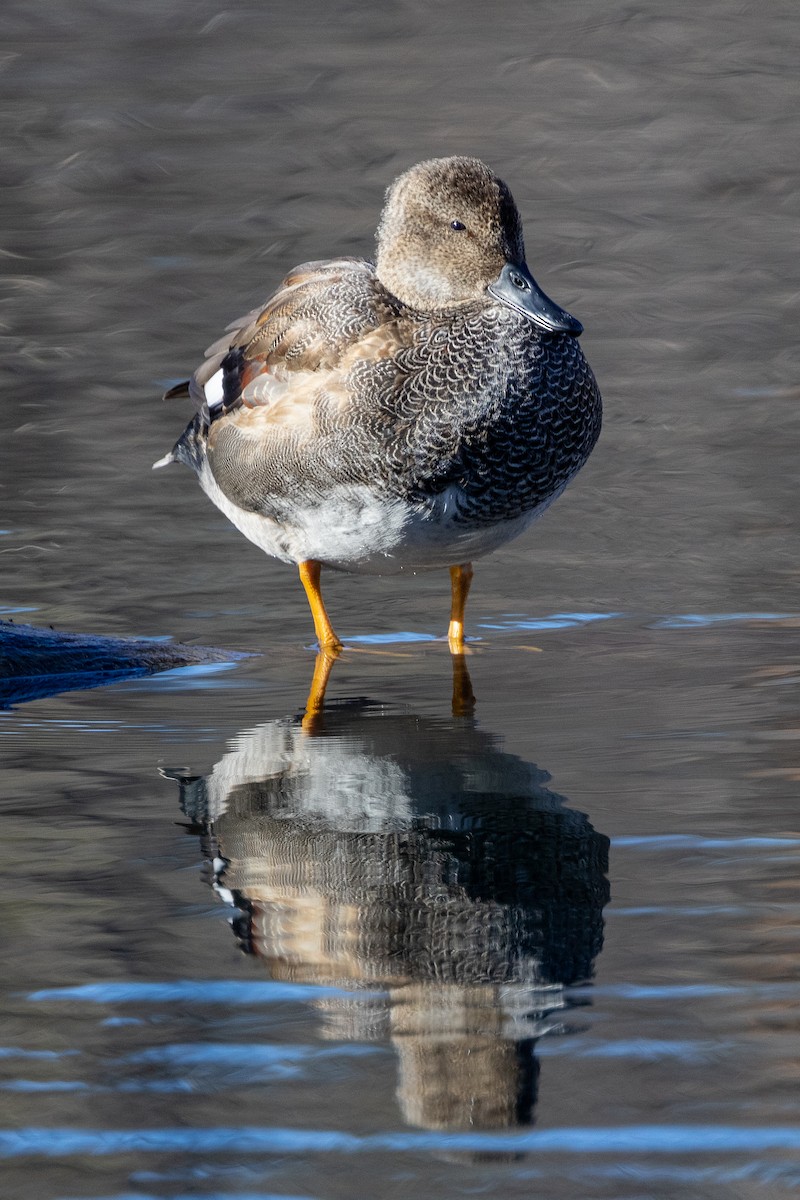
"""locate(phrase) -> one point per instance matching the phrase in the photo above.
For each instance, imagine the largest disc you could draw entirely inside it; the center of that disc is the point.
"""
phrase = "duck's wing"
(275, 395)
(317, 314)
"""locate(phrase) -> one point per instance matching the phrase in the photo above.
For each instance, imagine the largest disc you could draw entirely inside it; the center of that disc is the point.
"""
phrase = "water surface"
(548, 948)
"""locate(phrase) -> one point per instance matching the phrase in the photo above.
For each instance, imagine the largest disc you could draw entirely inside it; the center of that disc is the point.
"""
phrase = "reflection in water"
(431, 876)
(463, 701)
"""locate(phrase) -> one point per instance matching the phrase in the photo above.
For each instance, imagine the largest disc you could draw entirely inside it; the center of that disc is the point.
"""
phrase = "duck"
(412, 412)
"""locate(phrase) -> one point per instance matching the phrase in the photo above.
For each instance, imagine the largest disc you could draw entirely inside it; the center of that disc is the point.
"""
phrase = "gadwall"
(409, 414)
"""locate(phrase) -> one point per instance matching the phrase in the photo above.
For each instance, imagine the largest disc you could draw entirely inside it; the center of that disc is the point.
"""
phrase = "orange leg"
(309, 575)
(460, 579)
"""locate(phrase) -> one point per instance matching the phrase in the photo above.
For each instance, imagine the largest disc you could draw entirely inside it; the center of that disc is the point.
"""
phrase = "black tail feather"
(179, 392)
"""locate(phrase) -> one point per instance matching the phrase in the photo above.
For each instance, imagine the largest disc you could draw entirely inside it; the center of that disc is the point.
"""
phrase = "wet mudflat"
(548, 948)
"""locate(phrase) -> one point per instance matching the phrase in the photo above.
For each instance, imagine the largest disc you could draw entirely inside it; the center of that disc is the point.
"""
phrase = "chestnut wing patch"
(319, 311)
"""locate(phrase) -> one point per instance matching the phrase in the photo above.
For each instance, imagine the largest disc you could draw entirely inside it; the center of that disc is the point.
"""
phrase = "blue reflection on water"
(688, 991)
(190, 991)
(700, 620)
(248, 1062)
(556, 621)
(687, 910)
(387, 639)
(669, 841)
(195, 1196)
(785, 1174)
(639, 1049)
(630, 1139)
(50, 1085)
(19, 1052)
(196, 675)
(248, 1054)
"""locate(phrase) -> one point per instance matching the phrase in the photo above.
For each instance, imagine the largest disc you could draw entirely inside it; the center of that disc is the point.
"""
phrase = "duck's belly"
(357, 529)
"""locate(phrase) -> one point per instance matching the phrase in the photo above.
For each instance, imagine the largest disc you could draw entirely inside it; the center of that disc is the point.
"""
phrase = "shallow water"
(548, 949)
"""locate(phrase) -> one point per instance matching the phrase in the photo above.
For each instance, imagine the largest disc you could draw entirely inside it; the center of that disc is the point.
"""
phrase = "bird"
(409, 413)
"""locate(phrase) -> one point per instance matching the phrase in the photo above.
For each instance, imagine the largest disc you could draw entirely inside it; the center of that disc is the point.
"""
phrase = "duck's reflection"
(413, 863)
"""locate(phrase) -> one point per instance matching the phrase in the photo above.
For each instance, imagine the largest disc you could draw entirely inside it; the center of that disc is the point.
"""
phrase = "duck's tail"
(180, 391)
(190, 447)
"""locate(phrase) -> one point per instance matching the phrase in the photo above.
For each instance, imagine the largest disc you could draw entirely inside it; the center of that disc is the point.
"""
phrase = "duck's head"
(450, 234)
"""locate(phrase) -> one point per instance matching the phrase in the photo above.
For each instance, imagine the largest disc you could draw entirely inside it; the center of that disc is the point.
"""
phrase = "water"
(548, 949)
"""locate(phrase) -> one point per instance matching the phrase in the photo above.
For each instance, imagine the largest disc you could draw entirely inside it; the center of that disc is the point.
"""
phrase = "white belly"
(355, 529)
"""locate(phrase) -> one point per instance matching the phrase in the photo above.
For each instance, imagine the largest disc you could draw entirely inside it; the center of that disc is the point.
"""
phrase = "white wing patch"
(212, 390)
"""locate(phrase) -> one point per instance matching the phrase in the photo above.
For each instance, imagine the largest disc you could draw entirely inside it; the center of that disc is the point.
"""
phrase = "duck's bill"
(516, 287)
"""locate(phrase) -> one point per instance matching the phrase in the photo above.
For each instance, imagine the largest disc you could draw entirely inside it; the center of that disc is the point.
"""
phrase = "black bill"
(516, 287)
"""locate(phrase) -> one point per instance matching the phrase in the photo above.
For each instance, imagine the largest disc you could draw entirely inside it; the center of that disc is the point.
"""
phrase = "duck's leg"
(309, 575)
(460, 579)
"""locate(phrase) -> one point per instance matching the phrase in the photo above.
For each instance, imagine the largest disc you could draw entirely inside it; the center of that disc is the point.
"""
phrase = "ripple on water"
(605, 1140)
(228, 992)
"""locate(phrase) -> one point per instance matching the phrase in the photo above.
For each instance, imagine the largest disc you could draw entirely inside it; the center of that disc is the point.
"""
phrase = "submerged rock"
(41, 662)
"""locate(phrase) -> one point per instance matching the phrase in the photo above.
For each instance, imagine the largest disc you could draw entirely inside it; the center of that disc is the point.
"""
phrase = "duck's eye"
(457, 225)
